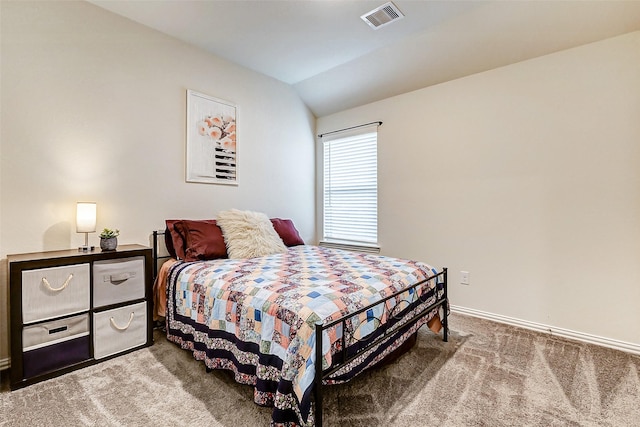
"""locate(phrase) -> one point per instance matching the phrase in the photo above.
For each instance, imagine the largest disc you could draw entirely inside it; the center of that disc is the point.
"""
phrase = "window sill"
(350, 246)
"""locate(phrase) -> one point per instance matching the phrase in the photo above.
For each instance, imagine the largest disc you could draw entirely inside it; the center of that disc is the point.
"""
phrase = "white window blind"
(351, 186)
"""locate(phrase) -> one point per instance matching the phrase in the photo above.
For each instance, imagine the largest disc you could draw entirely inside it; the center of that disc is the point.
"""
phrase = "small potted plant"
(109, 239)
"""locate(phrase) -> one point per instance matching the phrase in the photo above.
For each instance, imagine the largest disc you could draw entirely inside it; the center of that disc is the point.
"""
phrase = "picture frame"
(212, 145)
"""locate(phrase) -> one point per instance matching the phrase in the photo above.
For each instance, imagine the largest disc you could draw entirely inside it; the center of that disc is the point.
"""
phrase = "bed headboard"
(160, 252)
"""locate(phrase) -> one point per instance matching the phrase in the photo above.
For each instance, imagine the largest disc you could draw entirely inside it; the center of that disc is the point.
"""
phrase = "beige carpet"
(488, 374)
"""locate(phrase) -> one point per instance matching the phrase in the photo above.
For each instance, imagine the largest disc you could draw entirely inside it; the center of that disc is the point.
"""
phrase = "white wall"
(528, 176)
(93, 108)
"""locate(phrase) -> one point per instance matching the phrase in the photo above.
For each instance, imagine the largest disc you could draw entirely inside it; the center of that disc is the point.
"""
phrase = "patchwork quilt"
(257, 317)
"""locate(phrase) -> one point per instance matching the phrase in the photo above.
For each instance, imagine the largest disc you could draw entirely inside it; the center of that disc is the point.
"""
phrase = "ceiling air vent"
(383, 15)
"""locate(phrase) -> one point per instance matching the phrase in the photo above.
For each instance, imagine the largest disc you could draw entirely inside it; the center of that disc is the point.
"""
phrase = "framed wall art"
(212, 145)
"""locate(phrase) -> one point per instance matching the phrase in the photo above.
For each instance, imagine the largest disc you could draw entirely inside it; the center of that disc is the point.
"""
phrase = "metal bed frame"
(441, 301)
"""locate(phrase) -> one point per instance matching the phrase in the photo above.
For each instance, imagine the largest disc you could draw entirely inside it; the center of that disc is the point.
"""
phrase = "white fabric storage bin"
(54, 331)
(119, 329)
(118, 280)
(53, 292)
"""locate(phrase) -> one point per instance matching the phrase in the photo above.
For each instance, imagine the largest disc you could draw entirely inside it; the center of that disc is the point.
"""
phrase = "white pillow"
(249, 234)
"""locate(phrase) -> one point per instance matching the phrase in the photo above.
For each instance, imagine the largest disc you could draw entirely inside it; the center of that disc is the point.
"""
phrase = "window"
(350, 198)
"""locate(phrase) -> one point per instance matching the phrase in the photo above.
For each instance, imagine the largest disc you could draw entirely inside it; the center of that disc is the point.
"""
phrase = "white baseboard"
(5, 364)
(552, 330)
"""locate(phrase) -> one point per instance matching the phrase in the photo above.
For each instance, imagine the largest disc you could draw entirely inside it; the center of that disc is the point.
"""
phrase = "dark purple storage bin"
(55, 356)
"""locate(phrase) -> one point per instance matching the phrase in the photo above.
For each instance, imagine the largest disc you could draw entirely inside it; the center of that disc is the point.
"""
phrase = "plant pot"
(109, 244)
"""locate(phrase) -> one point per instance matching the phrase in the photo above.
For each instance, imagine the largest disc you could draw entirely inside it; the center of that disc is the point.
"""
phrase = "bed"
(270, 318)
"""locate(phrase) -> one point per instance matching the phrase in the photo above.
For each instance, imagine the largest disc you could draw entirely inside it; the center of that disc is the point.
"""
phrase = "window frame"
(368, 237)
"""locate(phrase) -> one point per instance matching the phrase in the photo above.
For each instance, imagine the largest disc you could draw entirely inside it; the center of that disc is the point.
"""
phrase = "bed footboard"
(441, 301)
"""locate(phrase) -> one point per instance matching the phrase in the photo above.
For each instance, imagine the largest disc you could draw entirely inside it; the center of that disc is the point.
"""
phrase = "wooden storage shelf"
(58, 319)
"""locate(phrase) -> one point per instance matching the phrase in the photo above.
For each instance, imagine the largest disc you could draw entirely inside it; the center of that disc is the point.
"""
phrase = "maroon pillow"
(173, 239)
(287, 231)
(203, 239)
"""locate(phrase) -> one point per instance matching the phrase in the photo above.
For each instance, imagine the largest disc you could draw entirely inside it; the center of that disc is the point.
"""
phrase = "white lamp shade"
(86, 217)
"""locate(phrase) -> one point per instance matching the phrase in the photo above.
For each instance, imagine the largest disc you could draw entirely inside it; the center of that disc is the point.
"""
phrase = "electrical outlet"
(464, 277)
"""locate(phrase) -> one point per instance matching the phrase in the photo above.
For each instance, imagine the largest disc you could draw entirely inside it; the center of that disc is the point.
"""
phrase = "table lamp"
(86, 223)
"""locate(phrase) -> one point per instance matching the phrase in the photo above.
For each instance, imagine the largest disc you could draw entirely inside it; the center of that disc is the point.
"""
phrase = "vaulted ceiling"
(335, 61)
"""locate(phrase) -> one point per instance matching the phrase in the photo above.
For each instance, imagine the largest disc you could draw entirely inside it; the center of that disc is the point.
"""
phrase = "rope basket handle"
(120, 328)
(64, 285)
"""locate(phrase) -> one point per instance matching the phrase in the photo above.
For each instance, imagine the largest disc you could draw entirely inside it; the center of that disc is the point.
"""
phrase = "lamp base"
(86, 247)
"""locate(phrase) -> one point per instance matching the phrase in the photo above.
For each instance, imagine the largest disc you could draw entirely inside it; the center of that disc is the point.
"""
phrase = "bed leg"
(317, 384)
(208, 370)
(445, 309)
(445, 327)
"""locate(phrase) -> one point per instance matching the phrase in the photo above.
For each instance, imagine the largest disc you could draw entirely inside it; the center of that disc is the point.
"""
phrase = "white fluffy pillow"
(249, 234)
